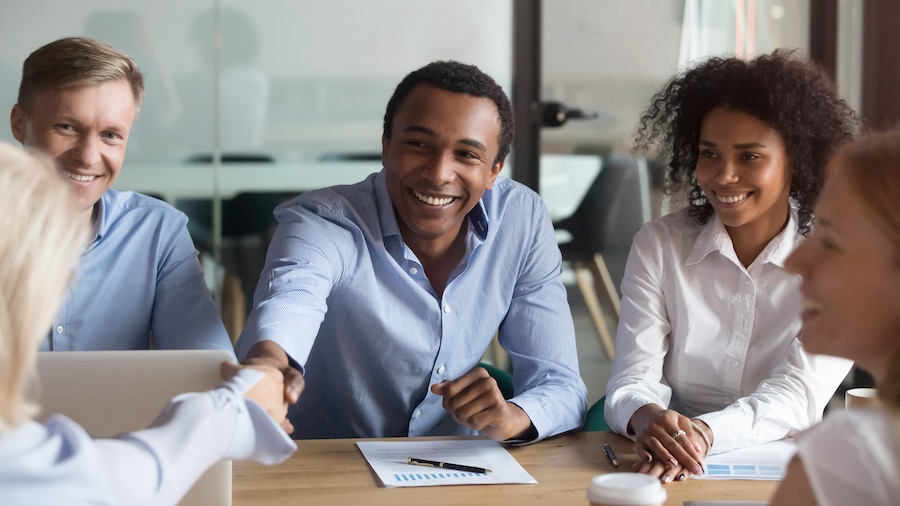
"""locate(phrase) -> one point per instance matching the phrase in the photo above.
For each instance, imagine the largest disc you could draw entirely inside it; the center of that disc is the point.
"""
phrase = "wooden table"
(333, 471)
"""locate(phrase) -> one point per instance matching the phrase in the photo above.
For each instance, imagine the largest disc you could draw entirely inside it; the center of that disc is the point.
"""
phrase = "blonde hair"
(76, 61)
(871, 167)
(39, 248)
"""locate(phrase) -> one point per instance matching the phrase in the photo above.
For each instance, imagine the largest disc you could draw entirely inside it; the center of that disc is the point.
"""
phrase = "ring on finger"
(678, 433)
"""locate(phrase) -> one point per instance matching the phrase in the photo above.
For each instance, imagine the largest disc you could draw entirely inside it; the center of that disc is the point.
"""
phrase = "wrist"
(638, 421)
(705, 432)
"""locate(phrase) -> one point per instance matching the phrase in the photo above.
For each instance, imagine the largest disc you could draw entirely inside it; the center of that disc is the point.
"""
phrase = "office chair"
(594, 421)
(615, 206)
(504, 379)
(247, 229)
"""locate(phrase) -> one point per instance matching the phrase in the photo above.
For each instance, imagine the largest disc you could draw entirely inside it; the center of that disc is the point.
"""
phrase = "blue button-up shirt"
(139, 275)
(350, 303)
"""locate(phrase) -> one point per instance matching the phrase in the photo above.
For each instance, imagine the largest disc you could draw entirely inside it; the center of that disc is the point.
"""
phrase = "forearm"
(269, 351)
(791, 400)
(191, 434)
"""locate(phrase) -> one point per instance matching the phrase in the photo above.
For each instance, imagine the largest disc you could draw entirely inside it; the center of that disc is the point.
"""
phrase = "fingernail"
(666, 479)
(697, 447)
(647, 457)
(697, 470)
(672, 462)
(681, 477)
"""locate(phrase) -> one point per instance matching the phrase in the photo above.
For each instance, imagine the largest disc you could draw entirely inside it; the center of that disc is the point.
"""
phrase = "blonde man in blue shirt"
(139, 275)
(386, 293)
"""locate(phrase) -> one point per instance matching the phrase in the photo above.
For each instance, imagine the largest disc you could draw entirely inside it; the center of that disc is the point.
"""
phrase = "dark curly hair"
(458, 78)
(792, 95)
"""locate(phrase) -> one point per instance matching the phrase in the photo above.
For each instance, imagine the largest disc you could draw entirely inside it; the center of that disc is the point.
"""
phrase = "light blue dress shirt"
(139, 275)
(350, 303)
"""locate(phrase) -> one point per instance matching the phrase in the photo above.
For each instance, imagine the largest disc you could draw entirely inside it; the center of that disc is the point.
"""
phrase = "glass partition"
(248, 104)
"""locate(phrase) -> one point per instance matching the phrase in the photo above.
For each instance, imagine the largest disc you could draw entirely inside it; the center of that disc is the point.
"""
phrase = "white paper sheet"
(389, 461)
(767, 461)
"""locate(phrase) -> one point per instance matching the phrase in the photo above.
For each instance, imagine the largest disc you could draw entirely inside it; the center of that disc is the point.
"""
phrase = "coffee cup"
(626, 489)
(861, 398)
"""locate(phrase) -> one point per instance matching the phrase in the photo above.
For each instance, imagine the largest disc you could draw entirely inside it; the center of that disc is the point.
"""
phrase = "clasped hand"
(667, 444)
(279, 387)
(475, 400)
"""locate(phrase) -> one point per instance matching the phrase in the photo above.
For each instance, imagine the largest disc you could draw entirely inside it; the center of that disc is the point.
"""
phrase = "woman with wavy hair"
(708, 358)
(57, 462)
(851, 308)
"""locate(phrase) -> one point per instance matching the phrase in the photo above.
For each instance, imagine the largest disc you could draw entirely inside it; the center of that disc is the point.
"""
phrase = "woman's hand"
(667, 443)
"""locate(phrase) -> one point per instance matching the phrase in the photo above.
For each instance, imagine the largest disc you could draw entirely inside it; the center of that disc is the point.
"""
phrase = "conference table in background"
(564, 178)
(334, 471)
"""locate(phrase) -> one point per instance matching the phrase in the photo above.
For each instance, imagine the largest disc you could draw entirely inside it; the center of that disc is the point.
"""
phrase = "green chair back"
(594, 420)
(504, 379)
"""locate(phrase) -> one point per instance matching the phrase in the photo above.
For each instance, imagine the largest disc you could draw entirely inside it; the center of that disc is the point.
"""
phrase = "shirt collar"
(100, 218)
(714, 237)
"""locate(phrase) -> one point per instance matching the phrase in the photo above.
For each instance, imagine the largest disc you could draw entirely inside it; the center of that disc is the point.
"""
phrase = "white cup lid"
(626, 488)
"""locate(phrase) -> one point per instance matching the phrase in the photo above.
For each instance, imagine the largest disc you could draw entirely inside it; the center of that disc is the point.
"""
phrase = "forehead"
(841, 207)
(448, 112)
(721, 122)
(107, 97)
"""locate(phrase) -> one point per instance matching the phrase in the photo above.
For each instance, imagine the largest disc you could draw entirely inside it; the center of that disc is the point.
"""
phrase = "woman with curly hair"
(708, 358)
(851, 267)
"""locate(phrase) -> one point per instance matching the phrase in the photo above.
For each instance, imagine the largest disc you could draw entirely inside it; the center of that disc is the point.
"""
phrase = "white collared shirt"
(853, 457)
(703, 335)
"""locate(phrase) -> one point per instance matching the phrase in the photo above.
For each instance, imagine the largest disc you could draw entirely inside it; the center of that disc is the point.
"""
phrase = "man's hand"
(666, 443)
(474, 400)
(267, 353)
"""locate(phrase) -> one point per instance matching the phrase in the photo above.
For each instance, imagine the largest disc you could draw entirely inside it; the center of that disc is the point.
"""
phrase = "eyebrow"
(427, 131)
(748, 145)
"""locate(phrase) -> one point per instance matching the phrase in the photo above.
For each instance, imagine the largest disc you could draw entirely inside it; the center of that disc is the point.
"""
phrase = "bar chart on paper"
(436, 476)
(767, 461)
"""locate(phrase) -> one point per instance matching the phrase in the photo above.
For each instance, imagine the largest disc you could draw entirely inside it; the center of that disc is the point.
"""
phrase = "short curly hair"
(458, 78)
(793, 95)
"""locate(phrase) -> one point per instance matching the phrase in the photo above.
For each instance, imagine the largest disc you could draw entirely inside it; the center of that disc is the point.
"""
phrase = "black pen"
(611, 455)
(446, 465)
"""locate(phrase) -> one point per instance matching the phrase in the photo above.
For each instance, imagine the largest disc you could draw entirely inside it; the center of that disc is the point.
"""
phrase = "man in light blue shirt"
(386, 293)
(139, 277)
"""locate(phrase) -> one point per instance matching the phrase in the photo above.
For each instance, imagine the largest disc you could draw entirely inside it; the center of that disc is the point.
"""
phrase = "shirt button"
(413, 271)
(417, 413)
(441, 370)
(59, 330)
(446, 308)
(735, 363)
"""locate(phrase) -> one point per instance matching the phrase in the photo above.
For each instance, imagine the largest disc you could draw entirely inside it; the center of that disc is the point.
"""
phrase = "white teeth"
(79, 177)
(731, 199)
(431, 200)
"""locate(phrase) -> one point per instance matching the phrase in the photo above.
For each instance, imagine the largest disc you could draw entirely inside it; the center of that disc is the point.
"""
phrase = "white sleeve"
(642, 337)
(158, 465)
(790, 400)
(852, 458)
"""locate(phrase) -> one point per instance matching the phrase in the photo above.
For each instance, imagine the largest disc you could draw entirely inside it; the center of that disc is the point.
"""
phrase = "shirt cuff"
(257, 436)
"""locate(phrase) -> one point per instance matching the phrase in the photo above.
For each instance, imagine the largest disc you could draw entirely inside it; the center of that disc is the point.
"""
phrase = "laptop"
(110, 392)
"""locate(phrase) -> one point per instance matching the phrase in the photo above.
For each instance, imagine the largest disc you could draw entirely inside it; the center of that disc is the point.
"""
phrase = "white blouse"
(853, 457)
(59, 463)
(703, 335)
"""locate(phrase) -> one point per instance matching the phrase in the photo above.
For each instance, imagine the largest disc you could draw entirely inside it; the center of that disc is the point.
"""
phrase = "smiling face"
(439, 161)
(744, 171)
(85, 129)
(851, 281)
